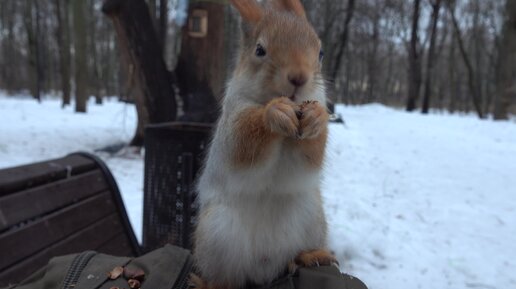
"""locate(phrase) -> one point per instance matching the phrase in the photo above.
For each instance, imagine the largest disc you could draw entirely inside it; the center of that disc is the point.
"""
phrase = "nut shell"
(115, 273)
(134, 284)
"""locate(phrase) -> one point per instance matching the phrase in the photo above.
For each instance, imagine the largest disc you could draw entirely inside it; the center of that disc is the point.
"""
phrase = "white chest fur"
(256, 220)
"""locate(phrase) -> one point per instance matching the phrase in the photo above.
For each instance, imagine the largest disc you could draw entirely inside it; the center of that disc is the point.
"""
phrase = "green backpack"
(166, 268)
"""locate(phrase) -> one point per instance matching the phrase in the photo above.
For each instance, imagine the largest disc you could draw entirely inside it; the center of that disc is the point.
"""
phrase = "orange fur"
(314, 119)
(280, 117)
(198, 283)
(249, 9)
(257, 128)
(291, 5)
(313, 130)
(312, 149)
(253, 139)
(299, 64)
(315, 258)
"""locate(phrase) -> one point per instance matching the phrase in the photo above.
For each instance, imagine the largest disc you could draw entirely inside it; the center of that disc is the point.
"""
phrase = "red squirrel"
(259, 192)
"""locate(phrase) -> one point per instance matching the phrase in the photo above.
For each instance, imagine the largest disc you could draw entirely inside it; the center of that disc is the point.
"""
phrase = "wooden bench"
(59, 207)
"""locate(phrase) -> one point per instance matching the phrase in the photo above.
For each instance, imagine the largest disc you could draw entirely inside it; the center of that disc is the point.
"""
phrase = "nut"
(134, 284)
(307, 102)
(115, 273)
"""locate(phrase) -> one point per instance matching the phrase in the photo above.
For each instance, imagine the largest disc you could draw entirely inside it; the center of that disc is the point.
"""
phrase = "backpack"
(166, 268)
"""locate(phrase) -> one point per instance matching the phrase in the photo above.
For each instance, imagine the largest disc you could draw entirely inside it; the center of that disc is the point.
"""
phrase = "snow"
(413, 201)
(418, 201)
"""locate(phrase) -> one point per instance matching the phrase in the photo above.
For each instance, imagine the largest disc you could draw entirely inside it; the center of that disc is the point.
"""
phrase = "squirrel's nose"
(297, 79)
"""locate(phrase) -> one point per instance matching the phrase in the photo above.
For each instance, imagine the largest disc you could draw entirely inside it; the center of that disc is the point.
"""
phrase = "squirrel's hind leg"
(317, 257)
(197, 282)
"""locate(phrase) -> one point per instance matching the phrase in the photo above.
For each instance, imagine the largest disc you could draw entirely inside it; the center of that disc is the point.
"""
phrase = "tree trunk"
(92, 43)
(163, 23)
(472, 82)
(341, 48)
(38, 52)
(478, 44)
(8, 21)
(159, 14)
(139, 45)
(414, 71)
(505, 82)
(63, 38)
(372, 63)
(152, 9)
(201, 67)
(81, 73)
(452, 76)
(33, 44)
(436, 6)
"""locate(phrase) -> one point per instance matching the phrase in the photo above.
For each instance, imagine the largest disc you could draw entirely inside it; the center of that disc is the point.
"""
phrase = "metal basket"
(174, 153)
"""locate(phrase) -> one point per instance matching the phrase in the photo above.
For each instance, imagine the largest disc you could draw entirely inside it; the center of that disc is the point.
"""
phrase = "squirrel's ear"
(250, 10)
(290, 5)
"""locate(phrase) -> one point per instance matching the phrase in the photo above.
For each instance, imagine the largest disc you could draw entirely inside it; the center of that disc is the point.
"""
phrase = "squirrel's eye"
(260, 51)
(321, 55)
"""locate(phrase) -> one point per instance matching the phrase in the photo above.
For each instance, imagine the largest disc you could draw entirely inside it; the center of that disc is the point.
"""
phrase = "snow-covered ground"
(412, 201)
(417, 201)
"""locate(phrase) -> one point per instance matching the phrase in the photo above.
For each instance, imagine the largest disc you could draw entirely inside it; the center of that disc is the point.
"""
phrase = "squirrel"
(259, 193)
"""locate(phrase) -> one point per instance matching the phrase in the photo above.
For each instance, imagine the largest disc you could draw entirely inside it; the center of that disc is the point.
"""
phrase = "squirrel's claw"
(315, 258)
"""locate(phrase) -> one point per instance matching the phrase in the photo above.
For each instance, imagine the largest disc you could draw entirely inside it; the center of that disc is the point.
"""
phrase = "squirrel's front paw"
(280, 117)
(313, 119)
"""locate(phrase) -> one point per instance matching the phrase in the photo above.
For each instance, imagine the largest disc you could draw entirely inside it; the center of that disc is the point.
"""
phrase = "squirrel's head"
(280, 53)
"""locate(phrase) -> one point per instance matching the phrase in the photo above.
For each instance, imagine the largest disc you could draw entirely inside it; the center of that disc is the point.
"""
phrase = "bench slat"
(119, 246)
(27, 176)
(86, 239)
(54, 227)
(34, 202)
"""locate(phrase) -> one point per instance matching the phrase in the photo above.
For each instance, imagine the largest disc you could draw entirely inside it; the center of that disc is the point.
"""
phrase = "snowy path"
(412, 201)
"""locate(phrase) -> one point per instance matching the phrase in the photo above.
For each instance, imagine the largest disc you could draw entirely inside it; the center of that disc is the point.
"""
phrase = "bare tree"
(336, 63)
(9, 78)
(81, 74)
(63, 37)
(472, 82)
(414, 59)
(375, 50)
(506, 78)
(159, 14)
(94, 74)
(32, 27)
(430, 62)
